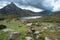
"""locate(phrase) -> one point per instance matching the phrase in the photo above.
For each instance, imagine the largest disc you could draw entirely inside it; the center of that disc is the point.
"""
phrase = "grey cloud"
(34, 3)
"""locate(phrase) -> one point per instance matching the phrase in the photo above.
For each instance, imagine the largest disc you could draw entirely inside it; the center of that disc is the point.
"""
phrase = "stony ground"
(21, 27)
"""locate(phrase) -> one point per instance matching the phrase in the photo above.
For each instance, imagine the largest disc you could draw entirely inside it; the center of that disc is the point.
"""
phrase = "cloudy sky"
(34, 5)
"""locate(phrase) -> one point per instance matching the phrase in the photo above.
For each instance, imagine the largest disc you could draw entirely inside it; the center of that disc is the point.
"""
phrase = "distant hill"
(56, 15)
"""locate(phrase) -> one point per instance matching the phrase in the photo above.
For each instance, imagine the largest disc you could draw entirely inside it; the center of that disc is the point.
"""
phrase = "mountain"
(12, 9)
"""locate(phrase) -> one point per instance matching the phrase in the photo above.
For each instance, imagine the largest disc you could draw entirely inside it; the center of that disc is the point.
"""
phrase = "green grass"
(14, 25)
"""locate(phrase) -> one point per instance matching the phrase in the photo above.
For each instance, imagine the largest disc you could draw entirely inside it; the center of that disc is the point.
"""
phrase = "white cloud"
(56, 6)
(52, 3)
(47, 3)
(3, 3)
(30, 8)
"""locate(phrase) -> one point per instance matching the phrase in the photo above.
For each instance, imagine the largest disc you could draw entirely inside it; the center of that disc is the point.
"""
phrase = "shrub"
(2, 27)
(1, 18)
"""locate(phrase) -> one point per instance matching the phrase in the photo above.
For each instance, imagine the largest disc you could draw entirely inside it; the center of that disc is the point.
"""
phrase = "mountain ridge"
(12, 9)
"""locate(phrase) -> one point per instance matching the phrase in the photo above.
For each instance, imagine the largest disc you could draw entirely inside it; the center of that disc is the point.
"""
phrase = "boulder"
(5, 30)
(13, 35)
(29, 24)
(28, 38)
(50, 38)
